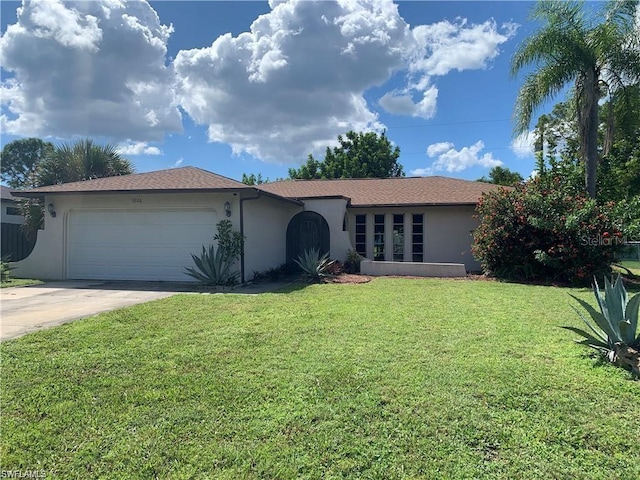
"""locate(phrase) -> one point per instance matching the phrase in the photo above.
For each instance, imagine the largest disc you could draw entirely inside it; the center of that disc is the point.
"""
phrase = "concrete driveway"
(27, 309)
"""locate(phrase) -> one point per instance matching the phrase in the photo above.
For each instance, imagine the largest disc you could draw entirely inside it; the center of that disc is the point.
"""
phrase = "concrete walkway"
(27, 309)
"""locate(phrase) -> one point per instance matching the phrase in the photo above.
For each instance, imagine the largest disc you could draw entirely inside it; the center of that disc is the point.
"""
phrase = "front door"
(307, 231)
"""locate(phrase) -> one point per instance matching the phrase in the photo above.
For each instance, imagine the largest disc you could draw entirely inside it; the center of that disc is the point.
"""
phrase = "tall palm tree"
(82, 160)
(599, 53)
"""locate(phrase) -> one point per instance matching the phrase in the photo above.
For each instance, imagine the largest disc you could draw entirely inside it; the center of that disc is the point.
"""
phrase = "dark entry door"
(306, 231)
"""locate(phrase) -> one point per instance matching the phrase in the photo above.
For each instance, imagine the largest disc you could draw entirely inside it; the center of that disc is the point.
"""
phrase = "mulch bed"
(349, 278)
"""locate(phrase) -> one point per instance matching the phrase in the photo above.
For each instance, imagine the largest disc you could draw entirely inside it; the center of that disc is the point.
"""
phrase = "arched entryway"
(306, 231)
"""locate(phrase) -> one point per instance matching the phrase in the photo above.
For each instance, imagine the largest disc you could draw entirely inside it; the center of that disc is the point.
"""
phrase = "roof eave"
(41, 194)
(293, 201)
(425, 204)
(136, 191)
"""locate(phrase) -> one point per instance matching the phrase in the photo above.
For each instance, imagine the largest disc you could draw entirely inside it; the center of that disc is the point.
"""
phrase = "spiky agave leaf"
(212, 267)
(590, 340)
(600, 320)
(631, 315)
(615, 325)
(312, 264)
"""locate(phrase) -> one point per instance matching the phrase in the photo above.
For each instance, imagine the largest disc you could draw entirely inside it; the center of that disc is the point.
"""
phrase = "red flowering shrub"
(540, 231)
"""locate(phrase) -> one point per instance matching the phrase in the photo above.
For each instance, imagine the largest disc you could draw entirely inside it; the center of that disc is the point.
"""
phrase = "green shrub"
(538, 231)
(5, 269)
(214, 266)
(229, 241)
(613, 330)
(274, 273)
(352, 262)
(313, 265)
(627, 212)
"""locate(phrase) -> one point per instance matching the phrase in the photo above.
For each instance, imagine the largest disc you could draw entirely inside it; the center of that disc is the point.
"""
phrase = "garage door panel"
(136, 245)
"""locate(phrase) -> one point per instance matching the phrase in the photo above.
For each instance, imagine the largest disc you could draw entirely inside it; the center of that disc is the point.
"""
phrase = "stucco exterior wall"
(369, 267)
(333, 211)
(447, 232)
(48, 260)
(265, 230)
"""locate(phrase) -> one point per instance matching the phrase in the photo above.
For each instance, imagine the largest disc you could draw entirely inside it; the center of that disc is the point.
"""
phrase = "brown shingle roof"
(361, 192)
(174, 179)
(386, 191)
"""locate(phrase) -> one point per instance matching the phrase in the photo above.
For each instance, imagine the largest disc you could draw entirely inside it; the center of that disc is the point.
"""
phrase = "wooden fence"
(14, 244)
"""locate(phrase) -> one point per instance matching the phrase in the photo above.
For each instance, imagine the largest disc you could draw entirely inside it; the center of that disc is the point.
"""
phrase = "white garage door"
(136, 245)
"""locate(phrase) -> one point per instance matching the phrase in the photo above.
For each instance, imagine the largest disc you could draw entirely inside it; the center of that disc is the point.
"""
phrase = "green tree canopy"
(558, 147)
(82, 160)
(502, 176)
(253, 179)
(599, 54)
(19, 160)
(359, 155)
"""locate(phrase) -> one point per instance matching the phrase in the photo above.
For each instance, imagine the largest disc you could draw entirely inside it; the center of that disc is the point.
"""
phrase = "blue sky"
(254, 87)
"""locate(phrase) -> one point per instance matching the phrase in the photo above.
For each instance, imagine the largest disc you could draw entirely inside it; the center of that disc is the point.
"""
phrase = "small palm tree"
(599, 54)
(83, 160)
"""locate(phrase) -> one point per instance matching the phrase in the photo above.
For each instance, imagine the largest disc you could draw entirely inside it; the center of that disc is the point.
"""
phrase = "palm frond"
(537, 88)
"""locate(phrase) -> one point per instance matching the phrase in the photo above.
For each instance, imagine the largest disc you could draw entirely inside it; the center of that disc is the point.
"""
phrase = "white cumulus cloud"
(450, 160)
(295, 81)
(137, 148)
(446, 46)
(87, 68)
(523, 145)
(282, 89)
(297, 78)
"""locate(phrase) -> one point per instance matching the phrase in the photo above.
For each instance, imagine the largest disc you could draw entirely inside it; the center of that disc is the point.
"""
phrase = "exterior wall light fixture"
(227, 208)
(51, 209)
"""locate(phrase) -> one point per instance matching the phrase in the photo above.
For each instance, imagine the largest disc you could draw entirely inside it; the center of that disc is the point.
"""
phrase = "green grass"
(20, 282)
(633, 265)
(392, 379)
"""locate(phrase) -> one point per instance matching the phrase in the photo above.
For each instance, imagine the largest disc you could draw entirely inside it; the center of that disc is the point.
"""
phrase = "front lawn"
(395, 378)
(632, 265)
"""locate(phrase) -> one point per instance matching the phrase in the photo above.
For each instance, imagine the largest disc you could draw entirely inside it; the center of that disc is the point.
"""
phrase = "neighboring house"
(10, 212)
(13, 243)
(145, 226)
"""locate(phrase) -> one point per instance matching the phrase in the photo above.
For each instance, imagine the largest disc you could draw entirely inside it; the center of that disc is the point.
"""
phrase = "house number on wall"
(136, 200)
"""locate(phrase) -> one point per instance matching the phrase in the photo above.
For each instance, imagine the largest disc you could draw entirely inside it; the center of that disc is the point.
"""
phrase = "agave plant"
(614, 329)
(313, 265)
(213, 267)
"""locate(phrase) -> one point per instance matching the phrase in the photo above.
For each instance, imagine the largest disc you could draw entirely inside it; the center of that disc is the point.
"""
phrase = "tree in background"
(557, 147)
(82, 160)
(19, 160)
(359, 155)
(36, 164)
(253, 179)
(600, 57)
(620, 163)
(502, 176)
